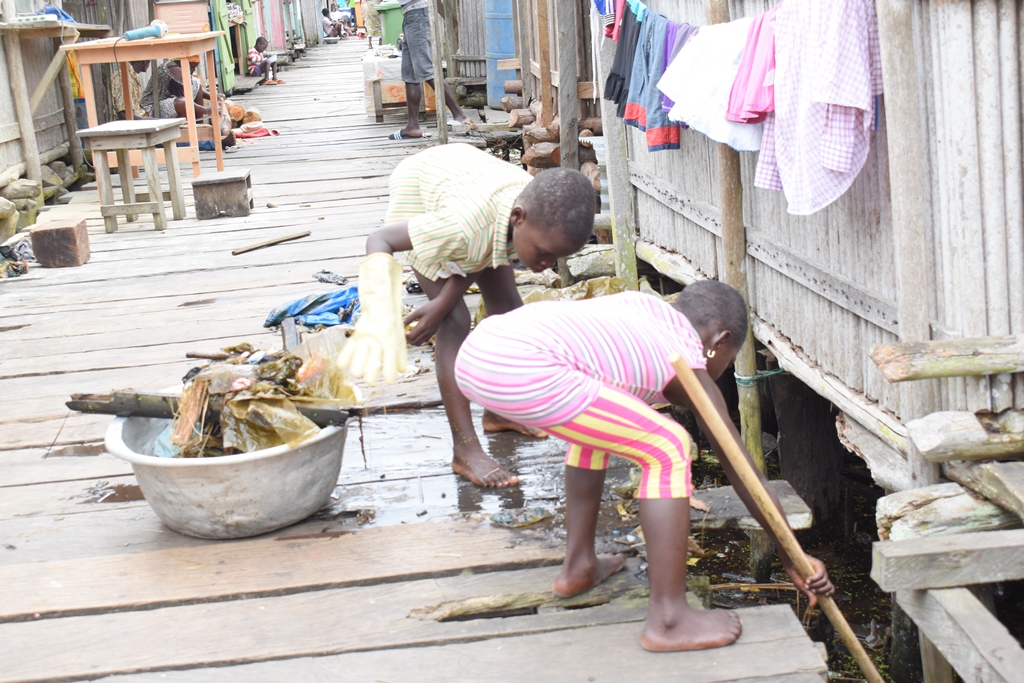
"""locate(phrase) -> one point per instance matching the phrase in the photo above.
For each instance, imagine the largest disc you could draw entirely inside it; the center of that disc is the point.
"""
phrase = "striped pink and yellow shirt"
(458, 201)
(544, 364)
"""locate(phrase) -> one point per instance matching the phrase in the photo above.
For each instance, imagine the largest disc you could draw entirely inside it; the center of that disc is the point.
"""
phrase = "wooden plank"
(970, 637)
(771, 637)
(940, 509)
(1000, 482)
(961, 435)
(728, 511)
(972, 357)
(262, 566)
(948, 561)
(568, 100)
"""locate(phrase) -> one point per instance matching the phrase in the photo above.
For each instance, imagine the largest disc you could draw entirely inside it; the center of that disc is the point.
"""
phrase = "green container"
(390, 22)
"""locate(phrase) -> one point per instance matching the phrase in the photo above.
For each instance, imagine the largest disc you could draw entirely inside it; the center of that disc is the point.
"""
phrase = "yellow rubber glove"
(378, 344)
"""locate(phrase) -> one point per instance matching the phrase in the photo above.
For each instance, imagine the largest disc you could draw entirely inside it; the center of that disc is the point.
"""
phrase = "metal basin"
(232, 496)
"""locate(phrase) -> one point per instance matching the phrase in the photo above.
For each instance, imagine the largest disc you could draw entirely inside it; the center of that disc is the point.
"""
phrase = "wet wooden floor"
(92, 585)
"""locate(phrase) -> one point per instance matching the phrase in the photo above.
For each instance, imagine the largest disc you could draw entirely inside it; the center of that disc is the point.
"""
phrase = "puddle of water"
(407, 470)
(103, 492)
(200, 302)
(78, 450)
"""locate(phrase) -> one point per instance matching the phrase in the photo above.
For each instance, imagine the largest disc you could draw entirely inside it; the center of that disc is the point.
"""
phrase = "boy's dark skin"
(447, 316)
(672, 625)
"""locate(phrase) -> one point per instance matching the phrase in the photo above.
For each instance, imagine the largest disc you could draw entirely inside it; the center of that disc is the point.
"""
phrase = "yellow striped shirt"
(457, 200)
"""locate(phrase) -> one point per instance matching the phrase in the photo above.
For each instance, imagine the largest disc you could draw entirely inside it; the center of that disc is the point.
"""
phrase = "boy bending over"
(462, 215)
(586, 372)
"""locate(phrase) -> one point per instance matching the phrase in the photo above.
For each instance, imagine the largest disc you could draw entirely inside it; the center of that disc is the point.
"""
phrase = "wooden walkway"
(92, 585)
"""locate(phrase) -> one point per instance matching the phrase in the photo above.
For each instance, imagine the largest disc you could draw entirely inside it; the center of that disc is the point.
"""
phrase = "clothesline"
(799, 84)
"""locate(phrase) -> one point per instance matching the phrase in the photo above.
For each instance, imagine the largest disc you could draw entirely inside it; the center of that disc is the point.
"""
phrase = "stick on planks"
(269, 243)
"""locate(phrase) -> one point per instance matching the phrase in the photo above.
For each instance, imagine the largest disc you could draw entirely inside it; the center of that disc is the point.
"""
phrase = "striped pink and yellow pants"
(618, 423)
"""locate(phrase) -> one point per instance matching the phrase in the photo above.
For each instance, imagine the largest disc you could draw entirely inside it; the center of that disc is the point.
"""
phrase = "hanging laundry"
(700, 78)
(827, 74)
(606, 11)
(675, 37)
(753, 91)
(616, 87)
(643, 102)
(620, 14)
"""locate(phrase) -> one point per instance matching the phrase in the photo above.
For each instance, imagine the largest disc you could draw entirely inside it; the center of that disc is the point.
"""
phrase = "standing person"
(463, 216)
(418, 67)
(263, 65)
(587, 372)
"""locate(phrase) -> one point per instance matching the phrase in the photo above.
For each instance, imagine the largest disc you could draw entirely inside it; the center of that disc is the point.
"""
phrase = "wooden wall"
(826, 282)
(526, 11)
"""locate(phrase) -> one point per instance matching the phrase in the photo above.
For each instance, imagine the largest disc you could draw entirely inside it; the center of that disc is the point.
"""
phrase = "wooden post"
(436, 36)
(70, 121)
(568, 100)
(620, 191)
(524, 46)
(734, 248)
(895, 23)
(20, 93)
(544, 60)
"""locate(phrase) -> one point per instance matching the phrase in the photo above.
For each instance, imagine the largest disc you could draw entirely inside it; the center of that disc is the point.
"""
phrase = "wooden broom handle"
(774, 518)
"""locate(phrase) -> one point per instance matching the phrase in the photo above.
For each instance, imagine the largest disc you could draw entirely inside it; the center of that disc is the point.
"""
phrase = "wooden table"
(175, 46)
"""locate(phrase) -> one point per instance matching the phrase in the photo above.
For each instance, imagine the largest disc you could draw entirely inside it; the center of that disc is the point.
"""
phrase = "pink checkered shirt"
(828, 71)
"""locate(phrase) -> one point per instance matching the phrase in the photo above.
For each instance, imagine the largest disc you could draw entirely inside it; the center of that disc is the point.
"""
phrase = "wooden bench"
(144, 135)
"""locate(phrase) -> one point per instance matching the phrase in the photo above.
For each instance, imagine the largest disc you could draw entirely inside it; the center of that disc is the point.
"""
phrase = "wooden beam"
(56, 64)
(436, 38)
(734, 251)
(1000, 482)
(270, 243)
(948, 561)
(969, 636)
(938, 510)
(568, 101)
(962, 435)
(20, 94)
(968, 357)
(889, 468)
(524, 34)
(544, 60)
(620, 191)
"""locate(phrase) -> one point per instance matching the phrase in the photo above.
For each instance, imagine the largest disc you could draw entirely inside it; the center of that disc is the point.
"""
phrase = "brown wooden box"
(61, 244)
(225, 193)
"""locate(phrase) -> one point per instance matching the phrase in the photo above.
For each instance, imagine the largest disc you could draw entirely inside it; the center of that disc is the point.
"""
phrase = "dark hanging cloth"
(617, 85)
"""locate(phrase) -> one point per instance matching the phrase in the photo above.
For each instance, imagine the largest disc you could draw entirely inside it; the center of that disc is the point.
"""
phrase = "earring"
(711, 353)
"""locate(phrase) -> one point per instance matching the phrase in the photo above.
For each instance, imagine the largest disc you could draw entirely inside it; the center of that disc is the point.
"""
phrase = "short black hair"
(707, 303)
(325, 13)
(561, 199)
(259, 40)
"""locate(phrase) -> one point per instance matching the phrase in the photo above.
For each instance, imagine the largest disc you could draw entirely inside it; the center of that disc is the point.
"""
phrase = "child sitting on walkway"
(586, 372)
(263, 65)
(462, 215)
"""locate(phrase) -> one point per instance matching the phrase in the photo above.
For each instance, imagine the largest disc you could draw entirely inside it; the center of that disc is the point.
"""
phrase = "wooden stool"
(224, 193)
(144, 135)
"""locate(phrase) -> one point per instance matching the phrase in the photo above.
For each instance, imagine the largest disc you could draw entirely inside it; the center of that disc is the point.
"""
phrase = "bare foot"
(575, 580)
(480, 468)
(694, 629)
(496, 423)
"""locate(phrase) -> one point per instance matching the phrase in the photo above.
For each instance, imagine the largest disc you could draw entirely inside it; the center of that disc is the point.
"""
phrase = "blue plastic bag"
(333, 308)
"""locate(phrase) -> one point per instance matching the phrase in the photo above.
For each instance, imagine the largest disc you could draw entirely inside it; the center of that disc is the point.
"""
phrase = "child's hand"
(818, 584)
(430, 317)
